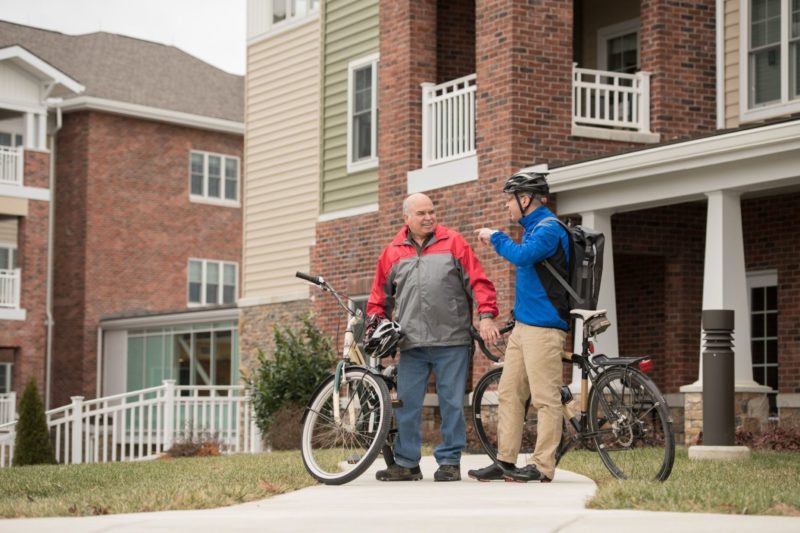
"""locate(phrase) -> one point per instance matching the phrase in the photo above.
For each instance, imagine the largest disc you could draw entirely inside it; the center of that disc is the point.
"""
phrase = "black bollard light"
(718, 378)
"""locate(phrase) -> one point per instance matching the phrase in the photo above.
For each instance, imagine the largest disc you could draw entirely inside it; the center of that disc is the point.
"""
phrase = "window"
(362, 114)
(764, 332)
(286, 10)
(771, 49)
(10, 139)
(8, 257)
(618, 47)
(5, 377)
(211, 282)
(194, 354)
(214, 178)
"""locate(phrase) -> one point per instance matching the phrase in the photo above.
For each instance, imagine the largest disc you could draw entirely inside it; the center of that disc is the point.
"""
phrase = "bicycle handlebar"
(482, 344)
(316, 280)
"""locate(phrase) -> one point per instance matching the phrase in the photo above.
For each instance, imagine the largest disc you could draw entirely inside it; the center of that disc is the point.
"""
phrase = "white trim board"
(152, 113)
(171, 319)
(39, 68)
(443, 175)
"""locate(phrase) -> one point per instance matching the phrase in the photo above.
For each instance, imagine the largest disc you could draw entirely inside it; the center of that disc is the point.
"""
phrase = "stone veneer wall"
(257, 325)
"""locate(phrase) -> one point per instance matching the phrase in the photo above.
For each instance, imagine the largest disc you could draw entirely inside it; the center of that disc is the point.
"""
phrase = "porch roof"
(39, 68)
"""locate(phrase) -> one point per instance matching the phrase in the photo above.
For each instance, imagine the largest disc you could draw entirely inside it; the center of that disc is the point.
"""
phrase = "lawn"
(190, 483)
(766, 484)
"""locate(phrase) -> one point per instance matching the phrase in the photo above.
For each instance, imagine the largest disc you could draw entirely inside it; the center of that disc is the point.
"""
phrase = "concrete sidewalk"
(369, 505)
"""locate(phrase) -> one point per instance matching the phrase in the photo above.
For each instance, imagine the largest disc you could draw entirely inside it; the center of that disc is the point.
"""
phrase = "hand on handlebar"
(488, 331)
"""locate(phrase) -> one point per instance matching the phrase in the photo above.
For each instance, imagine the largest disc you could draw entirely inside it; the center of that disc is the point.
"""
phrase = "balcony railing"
(8, 407)
(611, 100)
(448, 120)
(10, 288)
(12, 164)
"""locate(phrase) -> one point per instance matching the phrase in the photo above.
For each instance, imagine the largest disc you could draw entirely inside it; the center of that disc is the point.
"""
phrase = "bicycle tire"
(632, 424)
(484, 415)
(334, 452)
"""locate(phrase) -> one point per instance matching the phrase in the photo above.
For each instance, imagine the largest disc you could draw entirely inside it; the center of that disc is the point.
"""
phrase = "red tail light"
(646, 365)
(591, 347)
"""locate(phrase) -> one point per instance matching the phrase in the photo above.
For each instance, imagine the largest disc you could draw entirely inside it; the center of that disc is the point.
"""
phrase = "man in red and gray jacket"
(429, 277)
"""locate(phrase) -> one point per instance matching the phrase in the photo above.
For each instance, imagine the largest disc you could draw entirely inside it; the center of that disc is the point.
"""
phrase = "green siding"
(350, 32)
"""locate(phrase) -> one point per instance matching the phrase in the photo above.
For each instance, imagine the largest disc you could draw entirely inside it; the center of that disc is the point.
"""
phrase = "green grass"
(192, 483)
(765, 484)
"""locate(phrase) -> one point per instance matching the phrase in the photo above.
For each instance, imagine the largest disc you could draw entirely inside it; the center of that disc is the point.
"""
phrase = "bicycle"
(349, 420)
(623, 416)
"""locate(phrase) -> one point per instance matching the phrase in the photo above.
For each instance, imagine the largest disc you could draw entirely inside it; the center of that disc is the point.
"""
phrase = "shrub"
(201, 445)
(286, 427)
(301, 360)
(32, 443)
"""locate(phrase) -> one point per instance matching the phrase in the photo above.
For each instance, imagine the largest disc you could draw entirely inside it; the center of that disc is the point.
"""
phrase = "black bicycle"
(623, 416)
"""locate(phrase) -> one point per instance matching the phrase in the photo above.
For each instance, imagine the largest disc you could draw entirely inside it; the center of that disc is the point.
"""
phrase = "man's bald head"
(420, 216)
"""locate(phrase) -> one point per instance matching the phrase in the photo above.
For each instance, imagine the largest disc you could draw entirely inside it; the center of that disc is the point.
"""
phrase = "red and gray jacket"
(431, 291)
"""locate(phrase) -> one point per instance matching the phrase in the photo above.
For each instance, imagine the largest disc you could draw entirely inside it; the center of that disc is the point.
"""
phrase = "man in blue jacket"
(533, 357)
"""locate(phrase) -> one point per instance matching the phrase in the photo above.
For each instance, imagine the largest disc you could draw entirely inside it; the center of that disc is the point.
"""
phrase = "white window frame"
(220, 285)
(204, 198)
(786, 105)
(292, 19)
(9, 376)
(12, 248)
(613, 31)
(352, 67)
(755, 280)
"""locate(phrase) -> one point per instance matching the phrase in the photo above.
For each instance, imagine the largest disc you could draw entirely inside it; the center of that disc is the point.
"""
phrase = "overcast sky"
(213, 30)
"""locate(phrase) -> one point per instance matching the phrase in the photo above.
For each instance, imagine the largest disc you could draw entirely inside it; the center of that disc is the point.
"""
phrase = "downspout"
(720, 57)
(50, 230)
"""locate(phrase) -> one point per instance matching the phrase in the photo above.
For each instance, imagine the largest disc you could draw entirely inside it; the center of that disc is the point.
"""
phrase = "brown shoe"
(399, 473)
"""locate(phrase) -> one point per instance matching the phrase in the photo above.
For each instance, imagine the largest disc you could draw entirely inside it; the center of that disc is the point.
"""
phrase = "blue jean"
(450, 364)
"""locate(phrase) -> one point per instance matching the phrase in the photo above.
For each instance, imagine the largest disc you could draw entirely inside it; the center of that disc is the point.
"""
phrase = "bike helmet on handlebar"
(383, 341)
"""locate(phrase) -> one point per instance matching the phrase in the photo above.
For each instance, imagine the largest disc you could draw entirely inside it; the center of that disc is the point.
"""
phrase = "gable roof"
(134, 71)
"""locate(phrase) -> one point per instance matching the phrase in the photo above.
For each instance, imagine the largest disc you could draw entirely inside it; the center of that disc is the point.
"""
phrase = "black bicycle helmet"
(383, 341)
(527, 182)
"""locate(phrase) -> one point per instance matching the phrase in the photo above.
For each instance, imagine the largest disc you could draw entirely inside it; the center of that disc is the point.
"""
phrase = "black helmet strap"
(519, 203)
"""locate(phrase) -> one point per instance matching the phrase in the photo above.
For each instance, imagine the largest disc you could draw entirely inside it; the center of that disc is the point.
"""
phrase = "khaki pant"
(532, 368)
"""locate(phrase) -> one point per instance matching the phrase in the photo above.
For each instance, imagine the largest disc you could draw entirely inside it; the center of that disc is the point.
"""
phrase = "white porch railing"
(611, 99)
(12, 164)
(448, 120)
(143, 424)
(8, 407)
(10, 288)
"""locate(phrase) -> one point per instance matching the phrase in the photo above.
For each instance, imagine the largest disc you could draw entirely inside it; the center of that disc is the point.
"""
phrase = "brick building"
(126, 220)
(670, 126)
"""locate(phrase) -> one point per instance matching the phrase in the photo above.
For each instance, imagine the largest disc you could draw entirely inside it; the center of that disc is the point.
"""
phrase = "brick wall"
(678, 40)
(770, 245)
(455, 43)
(127, 229)
(26, 339)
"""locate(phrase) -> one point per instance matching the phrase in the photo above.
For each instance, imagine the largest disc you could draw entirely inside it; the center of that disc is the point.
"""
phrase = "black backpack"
(585, 266)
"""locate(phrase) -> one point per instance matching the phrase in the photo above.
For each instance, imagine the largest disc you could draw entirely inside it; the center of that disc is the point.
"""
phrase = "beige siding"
(8, 230)
(351, 32)
(731, 63)
(281, 200)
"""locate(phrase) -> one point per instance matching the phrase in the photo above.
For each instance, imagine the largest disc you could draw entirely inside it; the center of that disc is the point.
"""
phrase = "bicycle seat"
(587, 314)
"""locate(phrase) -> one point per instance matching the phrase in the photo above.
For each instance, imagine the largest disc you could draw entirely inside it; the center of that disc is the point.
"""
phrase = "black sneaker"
(493, 472)
(448, 473)
(525, 474)
(399, 473)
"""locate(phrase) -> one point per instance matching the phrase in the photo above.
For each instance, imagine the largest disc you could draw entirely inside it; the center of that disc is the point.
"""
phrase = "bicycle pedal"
(396, 402)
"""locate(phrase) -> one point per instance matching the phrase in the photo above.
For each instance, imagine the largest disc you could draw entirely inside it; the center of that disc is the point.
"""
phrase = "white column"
(30, 131)
(725, 282)
(41, 131)
(607, 342)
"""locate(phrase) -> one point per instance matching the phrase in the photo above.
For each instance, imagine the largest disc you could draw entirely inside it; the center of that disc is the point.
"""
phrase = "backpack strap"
(564, 283)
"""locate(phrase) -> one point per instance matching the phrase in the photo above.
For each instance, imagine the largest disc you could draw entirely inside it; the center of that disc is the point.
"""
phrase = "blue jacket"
(533, 304)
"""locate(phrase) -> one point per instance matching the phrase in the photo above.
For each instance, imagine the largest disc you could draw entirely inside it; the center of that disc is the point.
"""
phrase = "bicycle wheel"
(336, 451)
(485, 415)
(633, 429)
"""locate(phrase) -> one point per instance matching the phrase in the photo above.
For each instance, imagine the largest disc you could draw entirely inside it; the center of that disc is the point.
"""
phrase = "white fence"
(448, 120)
(10, 288)
(143, 424)
(12, 164)
(611, 99)
(8, 407)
